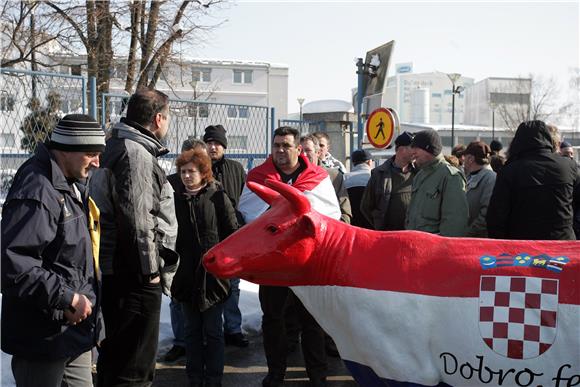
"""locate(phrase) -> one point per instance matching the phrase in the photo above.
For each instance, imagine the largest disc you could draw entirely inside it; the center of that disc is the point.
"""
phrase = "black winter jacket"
(203, 220)
(46, 257)
(534, 191)
(232, 177)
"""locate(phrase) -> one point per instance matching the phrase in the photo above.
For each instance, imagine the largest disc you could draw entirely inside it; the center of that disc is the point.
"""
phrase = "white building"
(211, 80)
(425, 97)
(485, 99)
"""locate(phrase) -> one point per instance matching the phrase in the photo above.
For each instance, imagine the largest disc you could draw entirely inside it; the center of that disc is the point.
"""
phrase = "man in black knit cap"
(438, 204)
(232, 177)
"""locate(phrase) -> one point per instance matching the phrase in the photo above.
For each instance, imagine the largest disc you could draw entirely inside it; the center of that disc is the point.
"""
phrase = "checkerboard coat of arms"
(518, 316)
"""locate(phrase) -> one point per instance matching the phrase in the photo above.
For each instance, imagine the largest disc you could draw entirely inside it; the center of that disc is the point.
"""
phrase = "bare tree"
(99, 30)
(531, 98)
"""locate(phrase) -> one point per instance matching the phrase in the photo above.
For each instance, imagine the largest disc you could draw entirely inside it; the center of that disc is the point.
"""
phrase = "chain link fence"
(31, 103)
(248, 127)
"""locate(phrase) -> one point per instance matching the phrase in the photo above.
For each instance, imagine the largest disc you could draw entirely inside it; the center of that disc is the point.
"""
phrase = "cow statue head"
(273, 249)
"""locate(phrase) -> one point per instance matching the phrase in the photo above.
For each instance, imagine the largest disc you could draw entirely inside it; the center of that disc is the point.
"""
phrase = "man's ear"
(157, 120)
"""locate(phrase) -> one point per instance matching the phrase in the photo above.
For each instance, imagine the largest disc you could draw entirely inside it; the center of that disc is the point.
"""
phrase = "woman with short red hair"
(205, 216)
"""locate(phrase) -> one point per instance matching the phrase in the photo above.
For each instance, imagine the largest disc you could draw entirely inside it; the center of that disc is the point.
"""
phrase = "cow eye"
(272, 229)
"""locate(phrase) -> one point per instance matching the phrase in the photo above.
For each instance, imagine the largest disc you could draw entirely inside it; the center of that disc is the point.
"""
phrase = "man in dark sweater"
(232, 177)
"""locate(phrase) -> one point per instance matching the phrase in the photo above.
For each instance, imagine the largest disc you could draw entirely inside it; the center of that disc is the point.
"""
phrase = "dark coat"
(46, 257)
(232, 177)
(203, 220)
(534, 191)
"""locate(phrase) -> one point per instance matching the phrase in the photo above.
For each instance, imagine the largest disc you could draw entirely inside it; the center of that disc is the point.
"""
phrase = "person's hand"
(80, 308)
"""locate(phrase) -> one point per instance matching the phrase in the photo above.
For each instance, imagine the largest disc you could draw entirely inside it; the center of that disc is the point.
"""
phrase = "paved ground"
(247, 367)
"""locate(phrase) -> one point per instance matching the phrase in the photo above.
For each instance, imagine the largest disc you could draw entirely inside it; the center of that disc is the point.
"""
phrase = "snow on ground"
(251, 325)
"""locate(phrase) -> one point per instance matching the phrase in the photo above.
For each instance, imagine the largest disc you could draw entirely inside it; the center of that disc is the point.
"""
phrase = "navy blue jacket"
(46, 257)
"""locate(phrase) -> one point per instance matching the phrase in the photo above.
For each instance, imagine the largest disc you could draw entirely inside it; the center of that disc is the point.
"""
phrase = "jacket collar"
(135, 132)
(57, 178)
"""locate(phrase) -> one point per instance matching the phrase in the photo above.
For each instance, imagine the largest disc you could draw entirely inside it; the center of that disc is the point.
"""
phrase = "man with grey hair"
(311, 148)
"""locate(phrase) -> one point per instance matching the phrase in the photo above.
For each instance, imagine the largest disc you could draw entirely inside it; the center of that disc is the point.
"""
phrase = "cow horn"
(266, 194)
(298, 201)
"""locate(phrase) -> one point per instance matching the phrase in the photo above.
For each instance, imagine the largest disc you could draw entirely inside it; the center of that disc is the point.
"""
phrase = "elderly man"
(286, 164)
(50, 290)
(480, 182)
(139, 232)
(438, 204)
(311, 149)
(388, 192)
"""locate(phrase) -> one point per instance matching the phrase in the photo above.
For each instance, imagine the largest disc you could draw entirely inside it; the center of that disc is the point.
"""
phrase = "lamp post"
(193, 84)
(300, 102)
(492, 105)
(454, 77)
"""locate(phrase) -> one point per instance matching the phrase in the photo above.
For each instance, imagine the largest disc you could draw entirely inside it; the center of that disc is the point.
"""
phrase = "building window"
(436, 95)
(7, 140)
(237, 142)
(7, 103)
(243, 76)
(232, 112)
(201, 75)
(238, 112)
(203, 111)
(75, 70)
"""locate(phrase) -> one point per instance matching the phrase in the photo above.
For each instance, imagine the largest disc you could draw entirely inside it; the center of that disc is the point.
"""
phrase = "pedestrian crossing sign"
(380, 128)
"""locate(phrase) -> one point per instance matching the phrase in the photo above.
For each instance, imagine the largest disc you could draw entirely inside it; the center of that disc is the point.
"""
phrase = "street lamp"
(454, 77)
(300, 102)
(193, 84)
(492, 105)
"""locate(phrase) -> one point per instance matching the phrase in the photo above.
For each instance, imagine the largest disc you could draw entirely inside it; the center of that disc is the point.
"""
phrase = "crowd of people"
(94, 232)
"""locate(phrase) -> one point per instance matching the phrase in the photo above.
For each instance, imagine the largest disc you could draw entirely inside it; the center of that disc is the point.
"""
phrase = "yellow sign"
(380, 128)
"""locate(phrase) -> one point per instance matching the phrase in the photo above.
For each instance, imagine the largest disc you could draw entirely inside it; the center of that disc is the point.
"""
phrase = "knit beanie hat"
(495, 145)
(216, 133)
(428, 140)
(77, 133)
(404, 139)
(360, 156)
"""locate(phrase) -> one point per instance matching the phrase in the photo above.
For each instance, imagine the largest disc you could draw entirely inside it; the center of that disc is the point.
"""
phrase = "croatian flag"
(458, 312)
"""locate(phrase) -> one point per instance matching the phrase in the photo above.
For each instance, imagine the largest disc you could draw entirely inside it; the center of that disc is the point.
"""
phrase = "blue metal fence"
(31, 103)
(247, 126)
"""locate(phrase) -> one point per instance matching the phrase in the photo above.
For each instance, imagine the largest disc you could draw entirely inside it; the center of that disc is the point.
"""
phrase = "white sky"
(319, 40)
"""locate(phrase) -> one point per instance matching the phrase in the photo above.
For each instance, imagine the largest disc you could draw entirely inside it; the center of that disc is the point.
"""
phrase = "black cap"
(404, 139)
(565, 144)
(428, 140)
(216, 133)
(360, 156)
(495, 145)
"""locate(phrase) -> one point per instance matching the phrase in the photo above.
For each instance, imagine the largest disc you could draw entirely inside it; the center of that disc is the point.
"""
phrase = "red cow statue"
(411, 307)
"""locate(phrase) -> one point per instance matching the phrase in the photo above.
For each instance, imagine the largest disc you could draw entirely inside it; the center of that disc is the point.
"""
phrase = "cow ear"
(308, 225)
(266, 194)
